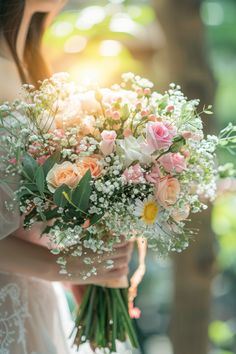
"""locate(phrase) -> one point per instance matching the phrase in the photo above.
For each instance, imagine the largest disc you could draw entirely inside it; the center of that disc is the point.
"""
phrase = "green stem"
(90, 312)
(114, 319)
(127, 320)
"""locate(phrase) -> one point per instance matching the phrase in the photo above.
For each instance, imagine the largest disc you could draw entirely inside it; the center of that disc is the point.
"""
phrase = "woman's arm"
(23, 257)
(27, 258)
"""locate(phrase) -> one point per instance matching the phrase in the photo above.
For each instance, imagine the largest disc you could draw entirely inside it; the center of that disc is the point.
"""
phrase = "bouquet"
(98, 163)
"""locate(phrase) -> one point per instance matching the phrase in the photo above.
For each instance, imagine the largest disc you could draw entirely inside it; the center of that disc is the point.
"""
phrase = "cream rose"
(65, 173)
(167, 191)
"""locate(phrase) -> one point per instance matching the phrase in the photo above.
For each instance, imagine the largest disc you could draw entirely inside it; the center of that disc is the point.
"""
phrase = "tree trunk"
(194, 268)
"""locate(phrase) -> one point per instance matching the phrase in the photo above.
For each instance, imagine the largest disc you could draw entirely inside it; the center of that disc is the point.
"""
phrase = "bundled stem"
(103, 319)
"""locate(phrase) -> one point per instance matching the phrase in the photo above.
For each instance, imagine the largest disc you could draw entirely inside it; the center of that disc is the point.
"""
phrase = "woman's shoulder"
(9, 80)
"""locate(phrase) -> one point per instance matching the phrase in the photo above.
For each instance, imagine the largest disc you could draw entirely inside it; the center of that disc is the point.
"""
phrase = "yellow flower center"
(150, 212)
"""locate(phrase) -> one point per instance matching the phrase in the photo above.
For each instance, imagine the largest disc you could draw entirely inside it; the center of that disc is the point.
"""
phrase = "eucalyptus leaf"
(29, 167)
(40, 180)
(81, 194)
(95, 218)
(50, 162)
(59, 198)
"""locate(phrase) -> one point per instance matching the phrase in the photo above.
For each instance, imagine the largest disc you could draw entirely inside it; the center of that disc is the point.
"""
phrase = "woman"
(29, 319)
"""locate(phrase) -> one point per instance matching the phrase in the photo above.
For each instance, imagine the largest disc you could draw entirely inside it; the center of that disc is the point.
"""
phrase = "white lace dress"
(30, 321)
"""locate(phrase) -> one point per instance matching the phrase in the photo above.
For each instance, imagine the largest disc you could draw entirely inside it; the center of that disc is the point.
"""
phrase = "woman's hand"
(26, 258)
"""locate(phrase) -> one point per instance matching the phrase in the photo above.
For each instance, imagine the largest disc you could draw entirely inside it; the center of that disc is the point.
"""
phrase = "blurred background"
(188, 301)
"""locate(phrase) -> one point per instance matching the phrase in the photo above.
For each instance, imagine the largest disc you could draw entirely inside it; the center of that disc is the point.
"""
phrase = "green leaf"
(81, 194)
(50, 162)
(178, 142)
(163, 102)
(29, 167)
(27, 189)
(95, 218)
(51, 214)
(125, 112)
(40, 180)
(41, 216)
(59, 198)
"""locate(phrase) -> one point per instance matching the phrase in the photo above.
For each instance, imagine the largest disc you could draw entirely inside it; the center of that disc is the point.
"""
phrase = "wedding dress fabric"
(30, 321)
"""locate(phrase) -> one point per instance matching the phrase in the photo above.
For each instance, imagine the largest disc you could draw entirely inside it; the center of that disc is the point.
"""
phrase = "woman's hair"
(11, 14)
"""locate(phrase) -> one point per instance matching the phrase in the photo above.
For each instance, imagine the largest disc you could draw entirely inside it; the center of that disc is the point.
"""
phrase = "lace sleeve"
(9, 212)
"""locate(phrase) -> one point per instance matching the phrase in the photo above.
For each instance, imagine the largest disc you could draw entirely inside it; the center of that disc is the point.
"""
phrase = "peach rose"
(65, 173)
(90, 163)
(167, 190)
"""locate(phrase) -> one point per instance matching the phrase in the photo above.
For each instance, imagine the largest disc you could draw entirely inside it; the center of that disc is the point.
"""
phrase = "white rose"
(131, 149)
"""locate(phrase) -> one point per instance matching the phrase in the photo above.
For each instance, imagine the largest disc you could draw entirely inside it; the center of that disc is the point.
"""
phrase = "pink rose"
(133, 174)
(160, 135)
(173, 162)
(167, 191)
(181, 214)
(108, 141)
(154, 175)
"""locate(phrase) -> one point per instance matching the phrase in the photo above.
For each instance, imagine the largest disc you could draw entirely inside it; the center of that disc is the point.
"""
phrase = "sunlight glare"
(90, 16)
(62, 29)
(110, 48)
(87, 75)
(75, 44)
(123, 23)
